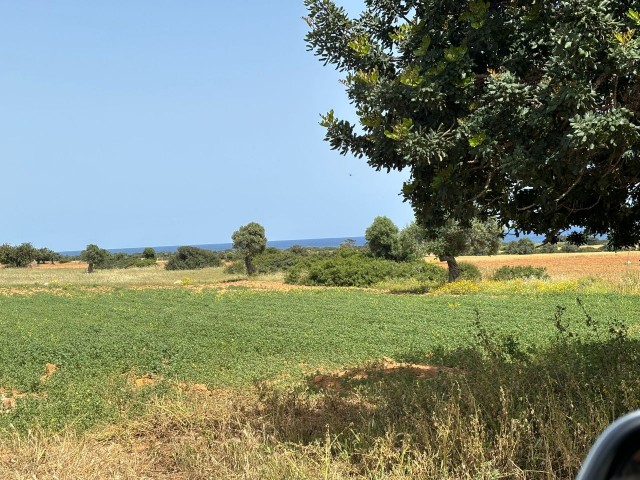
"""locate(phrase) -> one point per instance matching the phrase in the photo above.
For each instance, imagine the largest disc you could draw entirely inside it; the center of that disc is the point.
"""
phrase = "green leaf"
(477, 140)
(360, 45)
(411, 77)
(328, 119)
(455, 54)
(424, 46)
(400, 130)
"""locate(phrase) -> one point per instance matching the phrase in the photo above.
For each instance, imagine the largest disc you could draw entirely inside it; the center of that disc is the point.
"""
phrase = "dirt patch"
(338, 381)
(195, 388)
(9, 399)
(28, 291)
(50, 370)
(148, 380)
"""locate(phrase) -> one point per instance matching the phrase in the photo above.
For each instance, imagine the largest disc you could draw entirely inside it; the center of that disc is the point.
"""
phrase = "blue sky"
(151, 122)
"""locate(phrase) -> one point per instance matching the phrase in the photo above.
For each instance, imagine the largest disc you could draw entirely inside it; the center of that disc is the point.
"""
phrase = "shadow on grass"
(495, 407)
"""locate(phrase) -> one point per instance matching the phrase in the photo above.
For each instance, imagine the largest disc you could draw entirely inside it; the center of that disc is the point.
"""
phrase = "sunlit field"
(145, 373)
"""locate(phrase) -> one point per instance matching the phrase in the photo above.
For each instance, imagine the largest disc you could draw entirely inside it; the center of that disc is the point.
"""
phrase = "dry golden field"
(612, 266)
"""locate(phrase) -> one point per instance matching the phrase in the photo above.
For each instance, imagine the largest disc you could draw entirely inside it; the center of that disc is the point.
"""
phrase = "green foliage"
(352, 268)
(525, 111)
(569, 248)
(149, 253)
(140, 263)
(193, 258)
(409, 245)
(249, 240)
(469, 271)
(272, 260)
(44, 255)
(484, 238)
(18, 256)
(95, 256)
(511, 273)
(382, 238)
(547, 248)
(523, 246)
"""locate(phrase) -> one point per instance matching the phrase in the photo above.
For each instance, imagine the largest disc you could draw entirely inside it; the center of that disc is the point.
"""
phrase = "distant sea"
(281, 244)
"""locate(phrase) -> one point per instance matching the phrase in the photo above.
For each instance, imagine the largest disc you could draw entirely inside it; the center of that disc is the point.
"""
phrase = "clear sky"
(150, 122)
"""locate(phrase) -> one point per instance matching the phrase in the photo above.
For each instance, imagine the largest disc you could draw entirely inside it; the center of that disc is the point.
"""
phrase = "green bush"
(192, 258)
(469, 271)
(141, 263)
(510, 273)
(524, 246)
(270, 261)
(547, 248)
(355, 269)
(569, 248)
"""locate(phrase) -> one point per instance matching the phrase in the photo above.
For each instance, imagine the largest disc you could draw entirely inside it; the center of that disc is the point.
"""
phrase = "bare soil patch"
(338, 381)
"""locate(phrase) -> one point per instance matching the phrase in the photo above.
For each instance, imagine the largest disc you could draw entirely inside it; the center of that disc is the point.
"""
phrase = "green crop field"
(99, 341)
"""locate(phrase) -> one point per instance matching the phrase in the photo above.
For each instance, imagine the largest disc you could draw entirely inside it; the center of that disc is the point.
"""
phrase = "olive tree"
(249, 240)
(94, 256)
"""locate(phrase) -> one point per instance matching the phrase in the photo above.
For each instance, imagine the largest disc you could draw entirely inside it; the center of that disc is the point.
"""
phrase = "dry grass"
(156, 275)
(611, 266)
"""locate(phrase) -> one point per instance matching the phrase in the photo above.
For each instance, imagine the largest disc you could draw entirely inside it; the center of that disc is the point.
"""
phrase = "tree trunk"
(454, 269)
(249, 265)
(90, 268)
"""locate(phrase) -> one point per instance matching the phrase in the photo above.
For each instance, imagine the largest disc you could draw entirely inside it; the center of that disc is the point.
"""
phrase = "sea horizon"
(331, 242)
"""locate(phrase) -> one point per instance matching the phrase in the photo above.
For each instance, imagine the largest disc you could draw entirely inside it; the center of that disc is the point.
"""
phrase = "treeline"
(25, 254)
(525, 246)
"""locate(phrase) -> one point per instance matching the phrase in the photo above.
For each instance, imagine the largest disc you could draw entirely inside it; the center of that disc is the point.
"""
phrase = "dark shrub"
(270, 261)
(468, 271)
(569, 248)
(351, 268)
(141, 262)
(524, 246)
(192, 258)
(509, 273)
(149, 253)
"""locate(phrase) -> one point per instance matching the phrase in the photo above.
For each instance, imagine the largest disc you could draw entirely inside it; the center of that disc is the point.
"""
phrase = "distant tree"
(523, 246)
(193, 258)
(447, 243)
(410, 243)
(19, 256)
(5, 253)
(382, 238)
(44, 255)
(95, 256)
(149, 253)
(249, 240)
(450, 241)
(484, 237)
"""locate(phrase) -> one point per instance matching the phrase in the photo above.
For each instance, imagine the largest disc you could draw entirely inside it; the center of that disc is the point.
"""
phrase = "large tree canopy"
(522, 110)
